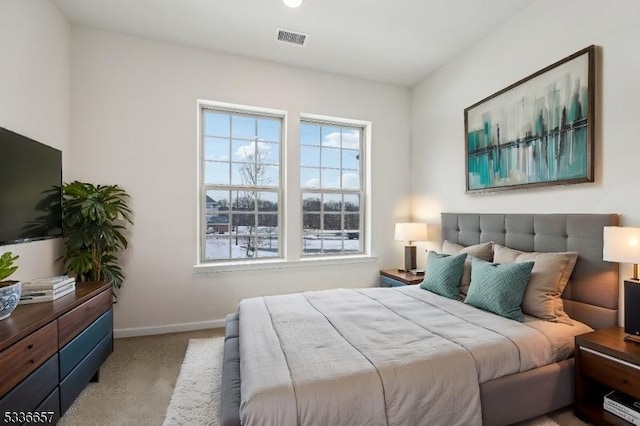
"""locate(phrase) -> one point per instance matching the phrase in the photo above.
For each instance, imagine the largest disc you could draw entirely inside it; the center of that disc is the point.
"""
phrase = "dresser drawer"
(76, 320)
(50, 409)
(83, 343)
(610, 371)
(26, 355)
(76, 381)
(28, 394)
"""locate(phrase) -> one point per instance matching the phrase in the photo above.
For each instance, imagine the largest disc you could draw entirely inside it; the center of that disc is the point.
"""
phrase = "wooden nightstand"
(395, 278)
(604, 362)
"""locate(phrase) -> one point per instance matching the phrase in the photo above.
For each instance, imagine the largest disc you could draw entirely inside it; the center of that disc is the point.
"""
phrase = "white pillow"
(550, 275)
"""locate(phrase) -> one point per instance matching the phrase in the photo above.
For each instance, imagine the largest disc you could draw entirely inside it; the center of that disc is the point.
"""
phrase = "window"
(332, 189)
(245, 165)
(240, 184)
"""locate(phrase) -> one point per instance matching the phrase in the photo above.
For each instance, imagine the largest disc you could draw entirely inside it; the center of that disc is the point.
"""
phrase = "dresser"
(50, 351)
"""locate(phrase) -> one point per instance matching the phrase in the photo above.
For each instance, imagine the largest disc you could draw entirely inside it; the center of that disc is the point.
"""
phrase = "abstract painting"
(537, 132)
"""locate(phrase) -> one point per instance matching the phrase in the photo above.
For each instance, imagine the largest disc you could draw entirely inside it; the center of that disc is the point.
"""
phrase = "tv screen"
(30, 189)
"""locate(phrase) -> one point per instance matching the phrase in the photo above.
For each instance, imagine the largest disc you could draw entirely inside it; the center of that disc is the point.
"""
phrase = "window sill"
(208, 268)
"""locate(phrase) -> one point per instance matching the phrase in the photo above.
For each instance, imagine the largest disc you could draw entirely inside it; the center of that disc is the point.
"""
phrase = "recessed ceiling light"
(292, 3)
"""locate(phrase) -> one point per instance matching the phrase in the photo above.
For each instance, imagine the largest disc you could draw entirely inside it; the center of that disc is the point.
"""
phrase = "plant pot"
(9, 297)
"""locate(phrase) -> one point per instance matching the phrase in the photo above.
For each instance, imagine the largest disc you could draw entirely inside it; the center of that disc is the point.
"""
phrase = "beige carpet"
(138, 379)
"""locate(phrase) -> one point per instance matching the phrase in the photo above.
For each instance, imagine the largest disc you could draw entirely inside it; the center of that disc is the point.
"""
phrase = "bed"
(534, 386)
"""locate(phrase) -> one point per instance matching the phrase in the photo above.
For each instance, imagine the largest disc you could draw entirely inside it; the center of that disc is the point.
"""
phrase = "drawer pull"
(32, 361)
(30, 346)
(610, 358)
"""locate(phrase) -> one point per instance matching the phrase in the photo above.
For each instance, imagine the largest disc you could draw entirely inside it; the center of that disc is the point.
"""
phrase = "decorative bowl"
(9, 297)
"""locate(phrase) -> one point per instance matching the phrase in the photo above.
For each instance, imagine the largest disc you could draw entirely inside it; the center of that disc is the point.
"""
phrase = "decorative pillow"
(499, 288)
(549, 277)
(482, 251)
(443, 273)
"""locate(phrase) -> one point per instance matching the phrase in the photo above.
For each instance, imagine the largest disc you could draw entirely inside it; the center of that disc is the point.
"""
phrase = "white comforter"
(378, 356)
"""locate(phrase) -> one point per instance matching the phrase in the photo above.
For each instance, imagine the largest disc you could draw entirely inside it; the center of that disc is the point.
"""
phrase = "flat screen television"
(30, 189)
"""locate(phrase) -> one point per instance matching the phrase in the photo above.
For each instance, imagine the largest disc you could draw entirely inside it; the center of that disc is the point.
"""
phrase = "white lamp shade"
(411, 232)
(621, 244)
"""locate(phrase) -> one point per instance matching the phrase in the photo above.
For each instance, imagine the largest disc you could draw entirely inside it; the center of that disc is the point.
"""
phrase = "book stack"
(46, 289)
(622, 405)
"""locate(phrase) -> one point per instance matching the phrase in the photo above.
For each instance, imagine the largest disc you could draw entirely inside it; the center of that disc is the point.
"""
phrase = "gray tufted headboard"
(591, 296)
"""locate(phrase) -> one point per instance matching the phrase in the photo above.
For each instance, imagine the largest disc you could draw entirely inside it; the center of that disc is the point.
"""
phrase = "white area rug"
(196, 397)
(539, 421)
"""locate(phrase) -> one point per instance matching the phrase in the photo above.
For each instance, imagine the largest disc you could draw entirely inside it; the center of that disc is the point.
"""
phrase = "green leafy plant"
(6, 265)
(95, 220)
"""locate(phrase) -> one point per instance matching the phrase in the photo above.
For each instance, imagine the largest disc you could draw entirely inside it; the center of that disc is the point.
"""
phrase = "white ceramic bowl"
(9, 297)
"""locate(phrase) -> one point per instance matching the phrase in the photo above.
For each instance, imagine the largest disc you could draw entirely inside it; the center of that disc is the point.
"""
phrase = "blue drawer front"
(32, 390)
(77, 380)
(82, 344)
(390, 282)
(49, 405)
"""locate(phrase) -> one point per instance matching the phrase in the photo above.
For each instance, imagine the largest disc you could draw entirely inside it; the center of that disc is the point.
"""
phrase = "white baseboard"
(164, 329)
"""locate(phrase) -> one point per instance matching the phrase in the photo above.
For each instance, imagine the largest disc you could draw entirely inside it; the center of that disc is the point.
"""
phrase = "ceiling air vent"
(291, 37)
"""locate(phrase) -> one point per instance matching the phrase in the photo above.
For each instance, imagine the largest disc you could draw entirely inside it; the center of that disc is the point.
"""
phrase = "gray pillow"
(482, 251)
(499, 288)
(442, 274)
(549, 277)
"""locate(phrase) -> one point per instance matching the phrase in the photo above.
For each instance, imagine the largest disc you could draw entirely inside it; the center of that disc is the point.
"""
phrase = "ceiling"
(398, 42)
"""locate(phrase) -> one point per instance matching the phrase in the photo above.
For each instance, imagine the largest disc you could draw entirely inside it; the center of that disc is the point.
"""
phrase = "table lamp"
(410, 232)
(622, 244)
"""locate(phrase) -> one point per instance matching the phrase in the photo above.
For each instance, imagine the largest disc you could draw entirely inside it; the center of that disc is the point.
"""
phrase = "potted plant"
(9, 290)
(95, 219)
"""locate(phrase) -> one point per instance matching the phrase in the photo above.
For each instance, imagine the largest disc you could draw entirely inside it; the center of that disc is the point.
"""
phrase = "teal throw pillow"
(443, 273)
(499, 288)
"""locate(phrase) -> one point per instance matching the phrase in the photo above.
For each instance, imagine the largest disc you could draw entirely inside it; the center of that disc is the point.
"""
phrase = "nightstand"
(395, 278)
(604, 362)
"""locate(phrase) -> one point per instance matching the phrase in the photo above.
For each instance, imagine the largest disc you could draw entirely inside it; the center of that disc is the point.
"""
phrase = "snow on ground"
(218, 245)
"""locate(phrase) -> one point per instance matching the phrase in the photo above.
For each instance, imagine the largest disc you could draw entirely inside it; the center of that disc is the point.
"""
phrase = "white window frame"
(290, 239)
(203, 187)
(361, 191)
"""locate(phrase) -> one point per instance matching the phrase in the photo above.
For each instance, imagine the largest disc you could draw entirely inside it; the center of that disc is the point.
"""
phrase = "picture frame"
(537, 132)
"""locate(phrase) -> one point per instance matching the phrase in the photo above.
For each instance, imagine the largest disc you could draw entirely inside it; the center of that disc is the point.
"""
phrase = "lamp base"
(409, 258)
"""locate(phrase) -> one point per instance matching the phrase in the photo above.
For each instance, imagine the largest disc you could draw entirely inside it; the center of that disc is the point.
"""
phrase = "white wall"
(542, 34)
(545, 32)
(133, 110)
(34, 100)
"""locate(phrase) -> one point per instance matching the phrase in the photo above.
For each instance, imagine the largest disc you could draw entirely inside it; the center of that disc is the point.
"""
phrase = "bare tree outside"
(253, 172)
